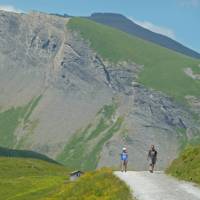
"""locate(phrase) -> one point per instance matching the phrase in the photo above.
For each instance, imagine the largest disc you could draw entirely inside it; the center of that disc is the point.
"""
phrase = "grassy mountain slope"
(84, 148)
(5, 152)
(121, 22)
(23, 179)
(163, 68)
(32, 179)
(10, 120)
(187, 166)
(100, 184)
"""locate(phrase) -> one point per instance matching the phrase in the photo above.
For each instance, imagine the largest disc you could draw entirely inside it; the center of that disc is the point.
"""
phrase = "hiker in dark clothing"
(152, 158)
(124, 160)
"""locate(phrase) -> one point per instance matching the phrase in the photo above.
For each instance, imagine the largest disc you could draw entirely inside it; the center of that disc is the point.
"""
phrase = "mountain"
(122, 23)
(78, 91)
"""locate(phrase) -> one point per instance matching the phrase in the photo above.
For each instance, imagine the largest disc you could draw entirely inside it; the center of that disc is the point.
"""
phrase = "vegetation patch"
(30, 127)
(163, 68)
(84, 148)
(187, 165)
(11, 118)
(100, 184)
(195, 140)
(31, 179)
(31, 107)
(183, 139)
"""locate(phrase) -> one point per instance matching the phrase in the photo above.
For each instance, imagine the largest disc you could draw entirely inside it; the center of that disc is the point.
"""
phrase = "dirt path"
(158, 186)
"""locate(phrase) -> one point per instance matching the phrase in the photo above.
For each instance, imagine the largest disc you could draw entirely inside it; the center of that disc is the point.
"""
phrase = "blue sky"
(178, 19)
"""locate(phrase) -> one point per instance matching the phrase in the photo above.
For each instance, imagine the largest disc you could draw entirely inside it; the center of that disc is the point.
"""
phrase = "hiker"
(124, 160)
(152, 158)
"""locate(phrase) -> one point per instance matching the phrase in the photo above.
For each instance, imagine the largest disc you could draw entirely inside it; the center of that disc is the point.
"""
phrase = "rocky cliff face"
(57, 92)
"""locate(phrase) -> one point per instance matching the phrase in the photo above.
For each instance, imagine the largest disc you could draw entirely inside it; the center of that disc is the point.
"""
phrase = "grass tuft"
(187, 165)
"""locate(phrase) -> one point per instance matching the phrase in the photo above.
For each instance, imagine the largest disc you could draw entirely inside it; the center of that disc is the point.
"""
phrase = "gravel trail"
(158, 186)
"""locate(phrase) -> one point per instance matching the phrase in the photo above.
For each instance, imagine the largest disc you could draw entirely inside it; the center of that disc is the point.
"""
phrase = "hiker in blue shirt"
(124, 160)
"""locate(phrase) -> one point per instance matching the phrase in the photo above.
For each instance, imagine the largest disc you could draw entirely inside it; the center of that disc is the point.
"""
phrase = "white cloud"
(155, 28)
(10, 8)
(189, 3)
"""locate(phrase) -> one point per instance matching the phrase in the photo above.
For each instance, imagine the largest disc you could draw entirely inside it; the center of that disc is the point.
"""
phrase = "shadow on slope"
(5, 152)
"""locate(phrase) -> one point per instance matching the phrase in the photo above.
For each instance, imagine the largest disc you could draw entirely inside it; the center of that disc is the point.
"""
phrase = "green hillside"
(5, 152)
(84, 148)
(97, 185)
(163, 68)
(11, 118)
(31, 179)
(187, 166)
